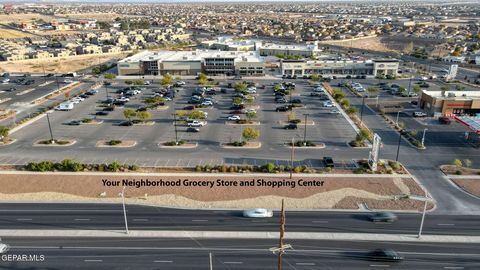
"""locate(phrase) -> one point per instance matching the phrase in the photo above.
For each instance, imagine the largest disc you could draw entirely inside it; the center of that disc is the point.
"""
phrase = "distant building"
(277, 49)
(229, 44)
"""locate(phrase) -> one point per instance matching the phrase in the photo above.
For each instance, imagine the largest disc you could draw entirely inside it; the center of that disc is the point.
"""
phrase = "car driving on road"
(383, 217)
(258, 213)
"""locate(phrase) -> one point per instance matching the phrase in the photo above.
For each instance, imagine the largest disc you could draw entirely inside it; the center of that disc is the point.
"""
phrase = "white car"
(180, 83)
(249, 111)
(80, 99)
(423, 78)
(6, 80)
(327, 104)
(318, 89)
(258, 213)
(4, 248)
(123, 99)
(335, 112)
(234, 117)
(146, 83)
(196, 123)
(207, 103)
(67, 81)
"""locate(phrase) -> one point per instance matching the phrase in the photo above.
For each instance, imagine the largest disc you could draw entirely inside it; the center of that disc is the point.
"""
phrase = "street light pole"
(50, 129)
(305, 131)
(423, 219)
(291, 157)
(361, 109)
(399, 142)
(423, 137)
(124, 211)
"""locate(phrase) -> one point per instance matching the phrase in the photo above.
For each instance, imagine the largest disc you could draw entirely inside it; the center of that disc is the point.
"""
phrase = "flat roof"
(453, 95)
(295, 47)
(197, 55)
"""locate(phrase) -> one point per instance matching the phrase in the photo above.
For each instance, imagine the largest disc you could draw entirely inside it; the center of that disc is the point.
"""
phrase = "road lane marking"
(93, 260)
(453, 267)
(140, 219)
(319, 221)
(301, 263)
(82, 219)
(163, 261)
(232, 262)
(379, 265)
(24, 219)
(446, 224)
(199, 220)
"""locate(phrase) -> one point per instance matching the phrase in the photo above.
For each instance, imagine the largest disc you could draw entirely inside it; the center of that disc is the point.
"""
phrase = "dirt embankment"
(335, 192)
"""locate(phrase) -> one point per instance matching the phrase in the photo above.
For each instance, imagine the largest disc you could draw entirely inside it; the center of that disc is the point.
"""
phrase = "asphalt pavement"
(110, 217)
(124, 253)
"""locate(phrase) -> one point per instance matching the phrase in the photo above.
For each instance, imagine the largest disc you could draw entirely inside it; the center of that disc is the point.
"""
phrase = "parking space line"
(155, 164)
(163, 261)
(232, 262)
(166, 164)
(305, 264)
(178, 161)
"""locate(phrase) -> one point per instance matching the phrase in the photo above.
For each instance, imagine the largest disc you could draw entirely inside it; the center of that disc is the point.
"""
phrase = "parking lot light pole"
(423, 137)
(124, 211)
(399, 142)
(361, 109)
(291, 157)
(50, 129)
(305, 131)
(175, 125)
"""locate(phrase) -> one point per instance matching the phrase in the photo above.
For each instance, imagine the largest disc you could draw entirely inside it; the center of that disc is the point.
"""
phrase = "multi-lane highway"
(153, 253)
(110, 217)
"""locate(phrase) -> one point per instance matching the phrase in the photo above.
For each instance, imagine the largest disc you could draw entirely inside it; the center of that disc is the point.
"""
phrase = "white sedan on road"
(258, 213)
(4, 248)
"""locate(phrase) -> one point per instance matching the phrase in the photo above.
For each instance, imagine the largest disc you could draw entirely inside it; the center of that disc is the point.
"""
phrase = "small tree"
(363, 134)
(144, 116)
(416, 89)
(129, 113)
(338, 94)
(202, 81)
(196, 115)
(237, 100)
(155, 101)
(240, 87)
(291, 116)
(167, 80)
(445, 88)
(372, 90)
(4, 133)
(315, 78)
(345, 103)
(457, 163)
(251, 115)
(250, 134)
(351, 110)
(109, 76)
(467, 163)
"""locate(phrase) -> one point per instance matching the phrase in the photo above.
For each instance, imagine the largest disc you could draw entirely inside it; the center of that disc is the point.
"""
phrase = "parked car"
(383, 217)
(328, 162)
(328, 104)
(67, 81)
(258, 213)
(91, 92)
(193, 129)
(444, 120)
(291, 126)
(74, 123)
(102, 113)
(234, 117)
(296, 101)
(126, 123)
(334, 112)
(388, 255)
(419, 114)
(196, 123)
(207, 103)
(283, 108)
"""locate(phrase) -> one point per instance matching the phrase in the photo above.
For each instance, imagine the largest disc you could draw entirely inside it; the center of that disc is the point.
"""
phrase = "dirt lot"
(17, 18)
(10, 33)
(371, 43)
(58, 65)
(472, 186)
(336, 192)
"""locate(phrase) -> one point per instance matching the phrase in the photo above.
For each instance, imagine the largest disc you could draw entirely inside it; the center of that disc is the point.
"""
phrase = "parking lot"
(329, 128)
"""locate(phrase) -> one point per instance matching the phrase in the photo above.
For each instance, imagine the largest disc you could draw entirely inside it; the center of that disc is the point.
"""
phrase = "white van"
(66, 106)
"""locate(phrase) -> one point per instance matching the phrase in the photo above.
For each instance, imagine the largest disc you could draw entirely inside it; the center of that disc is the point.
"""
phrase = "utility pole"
(50, 129)
(175, 125)
(124, 211)
(291, 157)
(281, 246)
(305, 131)
(361, 109)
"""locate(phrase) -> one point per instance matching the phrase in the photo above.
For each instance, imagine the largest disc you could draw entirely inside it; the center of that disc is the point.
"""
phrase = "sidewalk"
(242, 235)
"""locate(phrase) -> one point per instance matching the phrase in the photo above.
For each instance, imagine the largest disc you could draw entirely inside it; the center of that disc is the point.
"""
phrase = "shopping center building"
(210, 62)
(340, 67)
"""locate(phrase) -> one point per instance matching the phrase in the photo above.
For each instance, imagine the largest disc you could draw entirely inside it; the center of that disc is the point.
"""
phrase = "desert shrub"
(114, 142)
(269, 167)
(114, 166)
(43, 166)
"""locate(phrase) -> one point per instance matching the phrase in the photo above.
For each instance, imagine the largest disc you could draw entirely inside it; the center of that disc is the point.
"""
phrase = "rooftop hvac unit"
(451, 95)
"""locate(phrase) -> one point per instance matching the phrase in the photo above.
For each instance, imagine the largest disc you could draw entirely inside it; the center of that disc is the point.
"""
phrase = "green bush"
(114, 166)
(242, 143)
(298, 169)
(458, 172)
(395, 165)
(133, 167)
(295, 121)
(114, 142)
(198, 168)
(69, 166)
(270, 167)
(44, 166)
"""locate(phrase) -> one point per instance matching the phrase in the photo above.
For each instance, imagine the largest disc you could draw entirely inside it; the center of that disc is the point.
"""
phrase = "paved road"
(191, 254)
(110, 216)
